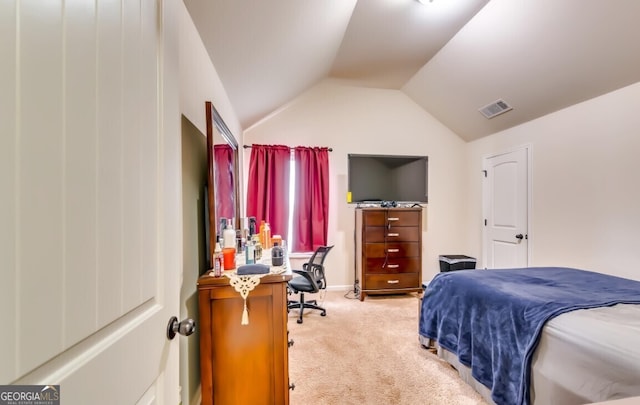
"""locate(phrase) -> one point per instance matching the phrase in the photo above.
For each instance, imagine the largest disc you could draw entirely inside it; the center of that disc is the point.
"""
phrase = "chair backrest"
(315, 265)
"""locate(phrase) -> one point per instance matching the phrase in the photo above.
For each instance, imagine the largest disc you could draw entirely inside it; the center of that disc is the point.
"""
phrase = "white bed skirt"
(583, 356)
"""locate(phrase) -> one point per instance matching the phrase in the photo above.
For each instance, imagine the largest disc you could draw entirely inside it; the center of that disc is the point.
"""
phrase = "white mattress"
(588, 355)
(583, 356)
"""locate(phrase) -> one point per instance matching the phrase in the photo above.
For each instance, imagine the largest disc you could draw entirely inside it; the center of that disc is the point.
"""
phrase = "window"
(299, 176)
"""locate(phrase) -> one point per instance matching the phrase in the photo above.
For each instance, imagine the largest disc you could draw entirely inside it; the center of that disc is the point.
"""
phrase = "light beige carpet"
(368, 353)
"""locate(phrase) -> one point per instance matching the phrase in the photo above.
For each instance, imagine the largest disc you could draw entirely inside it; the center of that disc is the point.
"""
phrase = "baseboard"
(339, 287)
(197, 398)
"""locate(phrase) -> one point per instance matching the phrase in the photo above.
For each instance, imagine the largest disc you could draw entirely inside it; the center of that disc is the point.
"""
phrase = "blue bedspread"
(492, 319)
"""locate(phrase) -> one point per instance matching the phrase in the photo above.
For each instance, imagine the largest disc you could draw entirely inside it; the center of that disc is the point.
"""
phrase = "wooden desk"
(244, 364)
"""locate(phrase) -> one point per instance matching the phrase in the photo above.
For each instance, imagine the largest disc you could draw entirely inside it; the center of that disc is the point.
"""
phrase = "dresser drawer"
(391, 281)
(392, 234)
(391, 217)
(393, 265)
(399, 249)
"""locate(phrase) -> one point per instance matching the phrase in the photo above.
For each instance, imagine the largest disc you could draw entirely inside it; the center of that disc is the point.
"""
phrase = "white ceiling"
(452, 57)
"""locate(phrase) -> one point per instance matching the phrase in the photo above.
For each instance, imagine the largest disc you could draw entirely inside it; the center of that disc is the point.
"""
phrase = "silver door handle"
(186, 327)
(393, 281)
(393, 234)
(393, 250)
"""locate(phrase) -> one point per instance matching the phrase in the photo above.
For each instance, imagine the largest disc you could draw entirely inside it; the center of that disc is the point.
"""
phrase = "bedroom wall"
(366, 120)
(199, 82)
(586, 191)
(194, 258)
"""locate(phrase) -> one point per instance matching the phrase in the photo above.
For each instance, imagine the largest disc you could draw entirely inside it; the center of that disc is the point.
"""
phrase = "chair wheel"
(323, 314)
(299, 321)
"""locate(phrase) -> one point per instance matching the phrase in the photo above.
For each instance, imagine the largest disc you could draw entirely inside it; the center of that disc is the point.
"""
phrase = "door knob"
(519, 236)
(186, 327)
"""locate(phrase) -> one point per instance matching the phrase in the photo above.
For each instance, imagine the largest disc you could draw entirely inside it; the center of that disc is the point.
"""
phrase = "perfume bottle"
(250, 255)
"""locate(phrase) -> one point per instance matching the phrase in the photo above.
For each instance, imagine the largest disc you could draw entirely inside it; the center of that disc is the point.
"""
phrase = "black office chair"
(311, 279)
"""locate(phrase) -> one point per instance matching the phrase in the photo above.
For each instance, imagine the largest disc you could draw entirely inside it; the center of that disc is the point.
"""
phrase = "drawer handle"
(393, 234)
(393, 219)
(393, 281)
(393, 250)
(393, 266)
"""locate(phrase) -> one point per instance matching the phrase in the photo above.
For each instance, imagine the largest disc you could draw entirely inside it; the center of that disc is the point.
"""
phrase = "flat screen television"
(380, 178)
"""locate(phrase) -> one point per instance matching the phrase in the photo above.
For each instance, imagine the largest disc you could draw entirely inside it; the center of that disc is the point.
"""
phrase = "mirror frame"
(214, 119)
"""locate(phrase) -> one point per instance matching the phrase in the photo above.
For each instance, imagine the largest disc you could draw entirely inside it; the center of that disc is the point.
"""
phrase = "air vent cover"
(495, 108)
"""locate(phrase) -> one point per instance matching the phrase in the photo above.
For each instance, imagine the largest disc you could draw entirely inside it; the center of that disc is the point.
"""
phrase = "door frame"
(486, 198)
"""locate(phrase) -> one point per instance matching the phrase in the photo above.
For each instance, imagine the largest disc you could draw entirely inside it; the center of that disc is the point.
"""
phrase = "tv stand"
(388, 250)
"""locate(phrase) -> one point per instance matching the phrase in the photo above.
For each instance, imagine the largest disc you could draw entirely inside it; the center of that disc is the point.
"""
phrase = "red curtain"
(311, 208)
(268, 187)
(224, 182)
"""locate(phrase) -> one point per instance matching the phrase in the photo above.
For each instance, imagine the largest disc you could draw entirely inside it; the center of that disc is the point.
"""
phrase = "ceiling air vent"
(495, 108)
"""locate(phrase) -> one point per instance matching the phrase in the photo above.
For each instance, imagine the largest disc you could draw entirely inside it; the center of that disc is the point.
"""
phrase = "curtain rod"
(248, 146)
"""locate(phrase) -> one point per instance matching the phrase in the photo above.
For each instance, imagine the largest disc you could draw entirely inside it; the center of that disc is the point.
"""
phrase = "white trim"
(305, 255)
(197, 398)
(344, 288)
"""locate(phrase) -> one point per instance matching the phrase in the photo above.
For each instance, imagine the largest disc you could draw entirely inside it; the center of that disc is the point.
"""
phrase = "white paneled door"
(90, 243)
(506, 202)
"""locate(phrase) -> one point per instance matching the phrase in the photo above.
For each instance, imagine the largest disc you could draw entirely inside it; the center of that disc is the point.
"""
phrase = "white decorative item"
(245, 284)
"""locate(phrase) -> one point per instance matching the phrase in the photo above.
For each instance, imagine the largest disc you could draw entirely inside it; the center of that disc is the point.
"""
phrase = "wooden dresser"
(388, 250)
(244, 364)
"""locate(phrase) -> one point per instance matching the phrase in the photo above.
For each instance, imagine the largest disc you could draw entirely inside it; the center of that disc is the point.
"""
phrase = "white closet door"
(506, 196)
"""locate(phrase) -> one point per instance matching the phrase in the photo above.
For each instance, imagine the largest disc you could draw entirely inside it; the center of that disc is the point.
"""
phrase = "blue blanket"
(492, 319)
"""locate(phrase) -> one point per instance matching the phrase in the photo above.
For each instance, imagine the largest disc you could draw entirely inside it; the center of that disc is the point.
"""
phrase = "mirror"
(222, 175)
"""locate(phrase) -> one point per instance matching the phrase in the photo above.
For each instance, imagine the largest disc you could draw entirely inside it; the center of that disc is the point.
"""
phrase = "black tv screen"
(376, 178)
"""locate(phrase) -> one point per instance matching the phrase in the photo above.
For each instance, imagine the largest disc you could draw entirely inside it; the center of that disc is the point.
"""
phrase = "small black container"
(456, 262)
(277, 255)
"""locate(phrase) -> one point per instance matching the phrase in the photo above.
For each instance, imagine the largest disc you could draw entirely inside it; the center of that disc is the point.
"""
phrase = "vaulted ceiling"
(452, 57)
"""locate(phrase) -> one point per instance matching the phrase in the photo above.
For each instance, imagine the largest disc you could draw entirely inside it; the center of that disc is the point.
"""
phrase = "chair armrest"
(309, 276)
(301, 272)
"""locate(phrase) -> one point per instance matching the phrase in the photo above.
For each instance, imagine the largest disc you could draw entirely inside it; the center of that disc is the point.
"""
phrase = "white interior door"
(506, 201)
(90, 238)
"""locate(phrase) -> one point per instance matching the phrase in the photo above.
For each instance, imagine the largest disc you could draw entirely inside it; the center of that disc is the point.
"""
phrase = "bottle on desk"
(218, 261)
(257, 248)
(266, 236)
(250, 255)
(229, 236)
(261, 230)
(277, 255)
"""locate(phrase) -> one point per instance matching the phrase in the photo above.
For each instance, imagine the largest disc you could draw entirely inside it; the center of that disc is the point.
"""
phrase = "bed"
(548, 335)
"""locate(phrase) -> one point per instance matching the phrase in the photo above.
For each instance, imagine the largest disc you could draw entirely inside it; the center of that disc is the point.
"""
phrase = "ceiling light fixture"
(425, 1)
